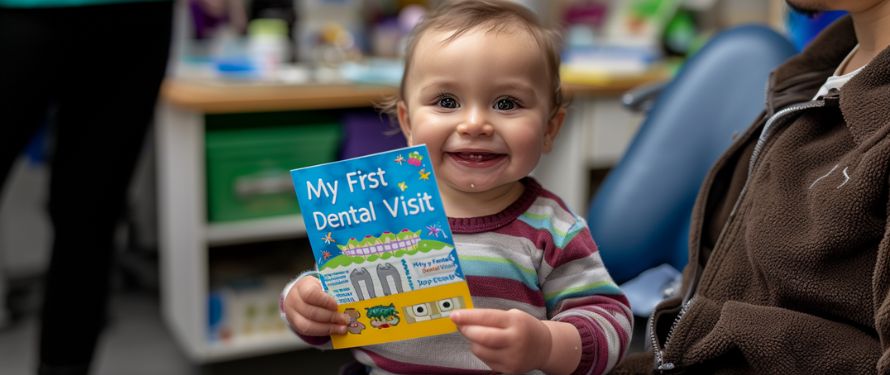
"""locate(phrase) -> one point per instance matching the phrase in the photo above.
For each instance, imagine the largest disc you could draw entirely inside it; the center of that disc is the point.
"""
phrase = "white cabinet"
(186, 238)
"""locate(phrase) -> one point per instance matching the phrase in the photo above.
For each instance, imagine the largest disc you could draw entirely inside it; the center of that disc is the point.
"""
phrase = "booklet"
(382, 245)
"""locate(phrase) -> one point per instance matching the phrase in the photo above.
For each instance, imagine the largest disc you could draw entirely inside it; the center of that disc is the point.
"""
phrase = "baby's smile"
(477, 159)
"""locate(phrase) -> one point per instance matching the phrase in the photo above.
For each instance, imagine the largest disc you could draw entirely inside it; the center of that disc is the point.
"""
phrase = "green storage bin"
(248, 169)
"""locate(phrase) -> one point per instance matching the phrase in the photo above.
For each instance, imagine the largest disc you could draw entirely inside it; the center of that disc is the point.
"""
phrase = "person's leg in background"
(25, 76)
(117, 58)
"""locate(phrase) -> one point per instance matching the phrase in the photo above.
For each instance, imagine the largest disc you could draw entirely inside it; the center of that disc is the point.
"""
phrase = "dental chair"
(640, 215)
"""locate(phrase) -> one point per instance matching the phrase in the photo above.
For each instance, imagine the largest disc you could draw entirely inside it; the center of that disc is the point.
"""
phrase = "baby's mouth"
(476, 159)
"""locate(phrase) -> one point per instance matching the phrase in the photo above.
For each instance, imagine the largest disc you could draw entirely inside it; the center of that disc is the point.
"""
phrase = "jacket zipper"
(661, 364)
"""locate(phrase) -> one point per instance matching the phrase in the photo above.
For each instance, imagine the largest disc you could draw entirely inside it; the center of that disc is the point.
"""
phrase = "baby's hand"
(311, 311)
(507, 341)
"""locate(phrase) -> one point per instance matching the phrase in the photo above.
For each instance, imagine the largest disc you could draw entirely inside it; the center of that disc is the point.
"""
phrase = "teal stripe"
(545, 222)
(535, 216)
(602, 287)
(66, 3)
(499, 267)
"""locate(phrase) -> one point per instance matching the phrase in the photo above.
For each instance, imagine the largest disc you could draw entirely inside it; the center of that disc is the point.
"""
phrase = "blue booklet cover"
(382, 245)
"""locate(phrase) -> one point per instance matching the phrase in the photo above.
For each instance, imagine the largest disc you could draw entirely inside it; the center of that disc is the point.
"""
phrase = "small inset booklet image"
(382, 245)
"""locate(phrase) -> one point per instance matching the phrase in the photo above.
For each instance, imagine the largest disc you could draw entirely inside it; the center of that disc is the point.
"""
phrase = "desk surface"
(220, 97)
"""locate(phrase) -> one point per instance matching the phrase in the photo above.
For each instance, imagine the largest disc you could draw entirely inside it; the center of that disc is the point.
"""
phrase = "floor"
(138, 342)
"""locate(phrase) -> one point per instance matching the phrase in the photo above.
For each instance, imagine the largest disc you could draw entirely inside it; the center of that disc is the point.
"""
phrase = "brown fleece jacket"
(797, 279)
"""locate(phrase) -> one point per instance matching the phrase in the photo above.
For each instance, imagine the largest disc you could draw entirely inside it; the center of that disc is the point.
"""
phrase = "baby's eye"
(447, 102)
(506, 104)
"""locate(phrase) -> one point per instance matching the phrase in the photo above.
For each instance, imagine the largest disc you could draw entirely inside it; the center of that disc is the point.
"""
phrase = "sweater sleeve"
(320, 342)
(578, 290)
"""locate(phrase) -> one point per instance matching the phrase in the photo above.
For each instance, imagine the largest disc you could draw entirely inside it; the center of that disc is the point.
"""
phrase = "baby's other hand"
(507, 341)
(311, 311)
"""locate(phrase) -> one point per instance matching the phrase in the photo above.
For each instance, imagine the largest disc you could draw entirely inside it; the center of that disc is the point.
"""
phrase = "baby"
(481, 89)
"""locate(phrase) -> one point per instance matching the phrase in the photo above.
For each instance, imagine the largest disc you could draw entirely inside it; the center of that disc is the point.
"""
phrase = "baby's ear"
(404, 122)
(553, 127)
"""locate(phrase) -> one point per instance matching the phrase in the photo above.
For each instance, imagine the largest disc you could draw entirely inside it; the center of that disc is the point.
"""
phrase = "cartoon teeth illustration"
(389, 276)
(405, 240)
(360, 277)
(442, 308)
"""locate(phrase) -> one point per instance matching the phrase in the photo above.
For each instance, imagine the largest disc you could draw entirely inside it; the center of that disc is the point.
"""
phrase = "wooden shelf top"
(219, 97)
(222, 97)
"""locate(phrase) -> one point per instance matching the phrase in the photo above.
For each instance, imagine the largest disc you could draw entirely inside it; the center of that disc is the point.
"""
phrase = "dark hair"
(493, 15)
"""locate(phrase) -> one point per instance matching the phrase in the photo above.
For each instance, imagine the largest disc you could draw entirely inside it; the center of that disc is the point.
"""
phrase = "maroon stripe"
(622, 334)
(608, 302)
(508, 215)
(581, 246)
(604, 303)
(485, 286)
(541, 238)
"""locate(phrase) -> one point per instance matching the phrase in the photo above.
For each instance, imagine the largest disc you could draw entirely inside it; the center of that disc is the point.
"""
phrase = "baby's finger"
(480, 317)
(311, 293)
(308, 327)
(492, 338)
(321, 314)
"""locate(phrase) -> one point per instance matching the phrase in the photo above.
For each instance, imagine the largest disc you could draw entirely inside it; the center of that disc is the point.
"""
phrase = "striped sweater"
(535, 256)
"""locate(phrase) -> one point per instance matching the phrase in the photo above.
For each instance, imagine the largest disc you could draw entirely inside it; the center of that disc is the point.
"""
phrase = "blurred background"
(258, 87)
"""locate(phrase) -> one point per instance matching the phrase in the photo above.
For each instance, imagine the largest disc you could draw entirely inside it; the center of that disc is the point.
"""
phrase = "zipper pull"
(833, 96)
(665, 367)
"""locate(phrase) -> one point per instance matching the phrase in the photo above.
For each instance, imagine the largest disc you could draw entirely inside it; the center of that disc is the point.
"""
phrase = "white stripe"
(560, 219)
(539, 312)
(451, 350)
(519, 250)
(582, 271)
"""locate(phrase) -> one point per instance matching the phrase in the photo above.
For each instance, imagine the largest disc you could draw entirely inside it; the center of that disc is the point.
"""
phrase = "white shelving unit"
(186, 237)
(267, 229)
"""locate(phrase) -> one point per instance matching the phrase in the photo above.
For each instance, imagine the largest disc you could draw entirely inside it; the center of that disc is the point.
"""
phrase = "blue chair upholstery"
(641, 214)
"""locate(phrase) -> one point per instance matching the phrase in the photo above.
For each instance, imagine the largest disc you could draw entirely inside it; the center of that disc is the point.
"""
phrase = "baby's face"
(481, 104)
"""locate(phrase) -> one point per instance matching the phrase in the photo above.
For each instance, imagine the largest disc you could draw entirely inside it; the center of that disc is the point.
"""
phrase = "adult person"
(99, 65)
(789, 269)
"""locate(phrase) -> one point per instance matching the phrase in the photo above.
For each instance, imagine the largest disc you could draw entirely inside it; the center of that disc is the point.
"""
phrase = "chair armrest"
(641, 98)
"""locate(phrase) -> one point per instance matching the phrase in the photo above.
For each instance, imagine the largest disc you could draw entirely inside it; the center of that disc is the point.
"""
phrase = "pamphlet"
(382, 245)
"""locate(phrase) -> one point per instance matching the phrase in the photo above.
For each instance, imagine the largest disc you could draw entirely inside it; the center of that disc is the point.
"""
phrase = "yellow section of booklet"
(403, 316)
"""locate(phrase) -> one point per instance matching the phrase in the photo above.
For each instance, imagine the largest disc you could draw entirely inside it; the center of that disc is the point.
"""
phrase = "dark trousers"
(100, 67)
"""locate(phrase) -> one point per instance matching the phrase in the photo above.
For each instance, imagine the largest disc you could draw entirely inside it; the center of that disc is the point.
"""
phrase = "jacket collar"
(865, 102)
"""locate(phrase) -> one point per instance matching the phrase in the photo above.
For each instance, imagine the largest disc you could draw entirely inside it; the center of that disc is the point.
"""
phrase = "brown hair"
(494, 15)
